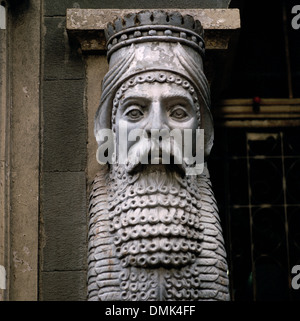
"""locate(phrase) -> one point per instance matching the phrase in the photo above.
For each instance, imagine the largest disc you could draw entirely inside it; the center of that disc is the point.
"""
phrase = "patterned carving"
(155, 26)
(133, 230)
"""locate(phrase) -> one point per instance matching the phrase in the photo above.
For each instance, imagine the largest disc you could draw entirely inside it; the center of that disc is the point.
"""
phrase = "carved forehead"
(156, 91)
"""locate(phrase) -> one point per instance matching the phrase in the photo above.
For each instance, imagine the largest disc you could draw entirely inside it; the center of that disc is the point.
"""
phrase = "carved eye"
(134, 113)
(178, 113)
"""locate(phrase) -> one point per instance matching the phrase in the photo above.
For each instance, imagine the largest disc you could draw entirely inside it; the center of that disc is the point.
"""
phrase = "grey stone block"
(58, 7)
(64, 223)
(63, 286)
(62, 60)
(64, 126)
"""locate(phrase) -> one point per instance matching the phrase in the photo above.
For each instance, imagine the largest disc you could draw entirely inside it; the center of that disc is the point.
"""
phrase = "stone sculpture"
(154, 232)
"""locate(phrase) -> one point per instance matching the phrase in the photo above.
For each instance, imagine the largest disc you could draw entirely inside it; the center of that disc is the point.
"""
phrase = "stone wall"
(66, 112)
(52, 152)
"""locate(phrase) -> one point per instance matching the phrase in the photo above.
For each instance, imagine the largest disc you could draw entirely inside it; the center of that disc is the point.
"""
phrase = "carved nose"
(156, 119)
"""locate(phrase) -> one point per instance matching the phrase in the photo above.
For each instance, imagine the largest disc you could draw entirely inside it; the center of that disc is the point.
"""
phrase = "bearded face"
(158, 104)
(153, 222)
(157, 230)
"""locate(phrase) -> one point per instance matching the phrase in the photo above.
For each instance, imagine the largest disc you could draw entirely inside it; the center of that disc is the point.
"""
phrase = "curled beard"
(154, 218)
(155, 235)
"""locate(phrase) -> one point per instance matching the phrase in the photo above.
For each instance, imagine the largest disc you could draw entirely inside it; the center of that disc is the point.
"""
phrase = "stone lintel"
(87, 25)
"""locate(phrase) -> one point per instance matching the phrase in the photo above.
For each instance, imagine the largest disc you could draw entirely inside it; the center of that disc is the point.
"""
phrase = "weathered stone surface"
(4, 156)
(88, 24)
(61, 59)
(58, 7)
(96, 19)
(63, 221)
(63, 286)
(64, 137)
(23, 158)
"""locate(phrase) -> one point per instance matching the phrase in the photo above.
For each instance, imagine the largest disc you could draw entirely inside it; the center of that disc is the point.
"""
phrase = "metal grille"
(256, 179)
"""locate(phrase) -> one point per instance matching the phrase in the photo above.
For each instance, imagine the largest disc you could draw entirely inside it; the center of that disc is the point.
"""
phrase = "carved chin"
(155, 219)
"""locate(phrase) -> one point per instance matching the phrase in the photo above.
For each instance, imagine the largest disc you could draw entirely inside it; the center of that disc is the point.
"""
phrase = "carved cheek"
(189, 124)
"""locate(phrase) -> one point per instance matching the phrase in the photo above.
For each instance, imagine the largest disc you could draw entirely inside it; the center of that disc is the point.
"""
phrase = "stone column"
(20, 150)
(4, 157)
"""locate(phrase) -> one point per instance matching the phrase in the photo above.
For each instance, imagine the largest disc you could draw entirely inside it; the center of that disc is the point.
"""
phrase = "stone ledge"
(87, 25)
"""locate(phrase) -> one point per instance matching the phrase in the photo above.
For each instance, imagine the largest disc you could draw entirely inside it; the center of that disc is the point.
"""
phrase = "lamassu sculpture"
(154, 231)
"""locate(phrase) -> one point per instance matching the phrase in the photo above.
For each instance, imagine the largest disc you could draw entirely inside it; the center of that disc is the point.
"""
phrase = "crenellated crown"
(150, 26)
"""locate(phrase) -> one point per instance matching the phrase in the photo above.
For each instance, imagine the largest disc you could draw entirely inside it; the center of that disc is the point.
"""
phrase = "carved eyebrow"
(143, 99)
(134, 98)
(180, 96)
(164, 96)
(175, 95)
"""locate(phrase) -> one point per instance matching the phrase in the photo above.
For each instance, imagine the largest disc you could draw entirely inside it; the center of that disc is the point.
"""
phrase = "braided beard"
(154, 219)
(155, 236)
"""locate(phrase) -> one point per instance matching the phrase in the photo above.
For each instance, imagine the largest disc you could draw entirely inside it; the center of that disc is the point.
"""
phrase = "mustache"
(155, 152)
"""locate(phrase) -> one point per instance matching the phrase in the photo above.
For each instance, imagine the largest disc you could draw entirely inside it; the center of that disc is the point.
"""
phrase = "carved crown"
(150, 26)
